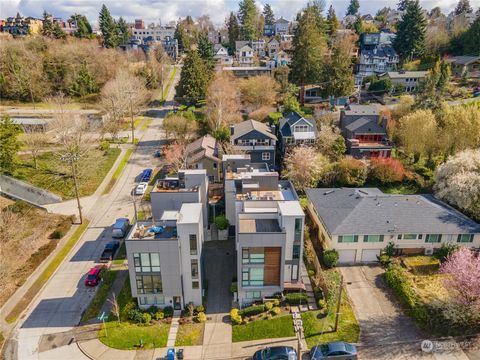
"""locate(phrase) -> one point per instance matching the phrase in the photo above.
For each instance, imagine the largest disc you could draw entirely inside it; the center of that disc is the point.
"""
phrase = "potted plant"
(222, 225)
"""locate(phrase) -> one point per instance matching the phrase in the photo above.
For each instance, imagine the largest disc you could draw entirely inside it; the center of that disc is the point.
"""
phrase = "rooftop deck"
(259, 226)
(143, 231)
(171, 185)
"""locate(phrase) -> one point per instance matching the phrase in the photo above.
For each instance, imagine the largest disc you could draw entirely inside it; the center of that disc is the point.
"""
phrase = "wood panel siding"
(271, 274)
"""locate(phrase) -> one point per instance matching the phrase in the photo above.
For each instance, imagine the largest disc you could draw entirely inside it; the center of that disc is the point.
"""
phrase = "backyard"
(54, 175)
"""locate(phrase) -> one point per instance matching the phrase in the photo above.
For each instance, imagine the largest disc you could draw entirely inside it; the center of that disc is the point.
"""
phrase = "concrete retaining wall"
(21, 190)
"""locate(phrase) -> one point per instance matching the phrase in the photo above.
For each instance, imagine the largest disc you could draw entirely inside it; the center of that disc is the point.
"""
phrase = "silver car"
(334, 351)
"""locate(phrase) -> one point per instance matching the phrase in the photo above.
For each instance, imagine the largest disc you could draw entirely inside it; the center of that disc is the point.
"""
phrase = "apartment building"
(158, 33)
(269, 223)
(164, 254)
(359, 223)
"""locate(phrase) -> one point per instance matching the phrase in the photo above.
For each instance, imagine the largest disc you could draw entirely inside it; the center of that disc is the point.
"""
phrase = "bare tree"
(74, 138)
(35, 141)
(304, 166)
(115, 306)
(222, 102)
(180, 128)
(124, 95)
(176, 156)
(259, 91)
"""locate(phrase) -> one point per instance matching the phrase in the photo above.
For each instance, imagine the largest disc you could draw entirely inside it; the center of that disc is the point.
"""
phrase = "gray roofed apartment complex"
(369, 211)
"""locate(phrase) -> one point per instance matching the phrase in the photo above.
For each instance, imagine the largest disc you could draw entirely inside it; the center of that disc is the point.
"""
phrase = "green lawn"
(97, 302)
(54, 175)
(169, 84)
(118, 171)
(121, 255)
(264, 329)
(320, 329)
(190, 334)
(127, 336)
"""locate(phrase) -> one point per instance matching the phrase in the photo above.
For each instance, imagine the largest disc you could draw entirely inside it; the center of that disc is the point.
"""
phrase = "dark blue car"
(146, 175)
(109, 251)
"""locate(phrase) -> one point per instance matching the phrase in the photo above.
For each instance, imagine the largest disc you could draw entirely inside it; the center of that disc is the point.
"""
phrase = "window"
(301, 128)
(399, 236)
(252, 277)
(195, 285)
(253, 295)
(347, 238)
(296, 252)
(149, 284)
(298, 229)
(373, 238)
(433, 238)
(194, 266)
(253, 255)
(465, 238)
(265, 156)
(193, 244)
(409, 236)
(146, 262)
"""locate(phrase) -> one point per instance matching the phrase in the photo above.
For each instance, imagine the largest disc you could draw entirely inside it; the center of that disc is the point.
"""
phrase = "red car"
(94, 276)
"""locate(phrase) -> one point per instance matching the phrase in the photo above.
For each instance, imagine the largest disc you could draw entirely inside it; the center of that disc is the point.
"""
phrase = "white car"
(141, 188)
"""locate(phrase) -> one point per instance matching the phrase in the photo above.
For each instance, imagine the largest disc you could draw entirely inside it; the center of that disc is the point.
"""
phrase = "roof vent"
(363, 192)
(328, 192)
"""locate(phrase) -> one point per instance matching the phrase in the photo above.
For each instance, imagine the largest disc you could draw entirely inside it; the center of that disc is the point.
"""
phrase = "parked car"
(276, 353)
(94, 276)
(334, 350)
(109, 251)
(146, 175)
(141, 188)
(157, 153)
(120, 227)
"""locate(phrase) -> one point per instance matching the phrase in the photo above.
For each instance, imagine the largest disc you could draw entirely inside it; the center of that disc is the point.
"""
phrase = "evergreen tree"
(467, 43)
(108, 28)
(248, 19)
(47, 29)
(353, 7)
(58, 33)
(410, 40)
(432, 90)
(308, 49)
(268, 15)
(84, 83)
(260, 25)
(123, 32)
(332, 21)
(9, 144)
(403, 4)
(182, 38)
(205, 50)
(358, 25)
(463, 7)
(338, 72)
(194, 79)
(233, 32)
(84, 29)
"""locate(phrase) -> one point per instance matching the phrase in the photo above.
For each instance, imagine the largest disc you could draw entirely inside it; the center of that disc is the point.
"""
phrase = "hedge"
(296, 298)
(252, 310)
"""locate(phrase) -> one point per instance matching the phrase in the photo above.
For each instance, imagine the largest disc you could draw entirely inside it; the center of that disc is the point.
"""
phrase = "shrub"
(296, 298)
(57, 234)
(330, 258)
(275, 311)
(351, 172)
(126, 309)
(235, 317)
(221, 222)
(311, 272)
(146, 318)
(159, 315)
(268, 306)
(322, 304)
(252, 310)
(135, 315)
(201, 317)
(384, 259)
(168, 311)
(276, 302)
(390, 249)
(152, 310)
(387, 170)
(104, 145)
(233, 288)
(445, 250)
(274, 117)
(199, 309)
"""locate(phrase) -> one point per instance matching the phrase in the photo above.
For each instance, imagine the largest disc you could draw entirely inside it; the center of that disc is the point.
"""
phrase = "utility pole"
(338, 303)
(72, 159)
(135, 206)
(131, 118)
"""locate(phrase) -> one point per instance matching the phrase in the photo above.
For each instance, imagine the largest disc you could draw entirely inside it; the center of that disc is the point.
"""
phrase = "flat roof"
(291, 208)
(190, 213)
(144, 230)
(258, 226)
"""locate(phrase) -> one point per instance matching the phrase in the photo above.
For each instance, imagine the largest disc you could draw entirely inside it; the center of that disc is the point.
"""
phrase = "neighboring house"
(222, 57)
(367, 18)
(281, 26)
(313, 94)
(365, 133)
(256, 139)
(158, 33)
(469, 65)
(282, 58)
(295, 130)
(164, 254)
(245, 56)
(359, 223)
(269, 226)
(377, 60)
(410, 80)
(273, 47)
(269, 30)
(259, 47)
(247, 71)
(22, 26)
(348, 21)
(203, 153)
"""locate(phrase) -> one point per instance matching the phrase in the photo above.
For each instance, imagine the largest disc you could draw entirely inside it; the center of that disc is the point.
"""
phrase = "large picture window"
(253, 255)
(149, 284)
(193, 244)
(298, 229)
(146, 262)
(433, 238)
(373, 238)
(347, 238)
(252, 277)
(465, 238)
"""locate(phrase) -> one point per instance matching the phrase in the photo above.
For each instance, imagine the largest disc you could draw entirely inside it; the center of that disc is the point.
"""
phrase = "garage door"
(370, 255)
(346, 256)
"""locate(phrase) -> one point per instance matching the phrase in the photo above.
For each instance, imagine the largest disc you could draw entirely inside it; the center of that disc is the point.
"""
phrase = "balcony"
(253, 147)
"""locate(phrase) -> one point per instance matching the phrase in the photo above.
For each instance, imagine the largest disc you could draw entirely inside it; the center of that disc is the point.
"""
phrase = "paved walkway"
(312, 304)
(172, 334)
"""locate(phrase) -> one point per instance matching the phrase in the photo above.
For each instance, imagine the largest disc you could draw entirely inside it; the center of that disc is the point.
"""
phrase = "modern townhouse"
(295, 130)
(359, 223)
(157, 33)
(256, 139)
(269, 225)
(164, 254)
(203, 153)
(408, 80)
(365, 133)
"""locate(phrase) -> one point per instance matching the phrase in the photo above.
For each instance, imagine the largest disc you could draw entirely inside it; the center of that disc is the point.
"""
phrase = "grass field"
(42, 279)
(127, 336)
(54, 175)
(169, 84)
(264, 329)
(190, 334)
(118, 171)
